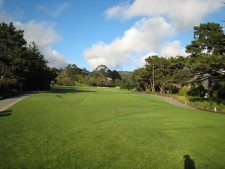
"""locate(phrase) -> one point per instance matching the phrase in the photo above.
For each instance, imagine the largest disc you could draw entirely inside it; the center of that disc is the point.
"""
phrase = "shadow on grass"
(69, 90)
(5, 113)
(188, 162)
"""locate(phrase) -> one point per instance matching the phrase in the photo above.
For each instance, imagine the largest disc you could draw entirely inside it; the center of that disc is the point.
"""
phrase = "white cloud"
(149, 36)
(41, 33)
(56, 11)
(173, 48)
(54, 58)
(144, 37)
(116, 11)
(184, 13)
(167, 49)
(44, 35)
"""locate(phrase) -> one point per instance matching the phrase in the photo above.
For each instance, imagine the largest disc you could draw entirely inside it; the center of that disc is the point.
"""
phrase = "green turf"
(94, 128)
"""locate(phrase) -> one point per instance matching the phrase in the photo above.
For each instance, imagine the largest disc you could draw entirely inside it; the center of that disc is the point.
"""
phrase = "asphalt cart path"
(175, 102)
(6, 103)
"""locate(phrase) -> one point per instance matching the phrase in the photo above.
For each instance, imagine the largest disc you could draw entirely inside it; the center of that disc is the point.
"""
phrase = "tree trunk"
(146, 87)
(153, 78)
(161, 88)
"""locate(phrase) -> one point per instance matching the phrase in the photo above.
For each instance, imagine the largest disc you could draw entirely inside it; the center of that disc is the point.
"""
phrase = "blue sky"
(117, 33)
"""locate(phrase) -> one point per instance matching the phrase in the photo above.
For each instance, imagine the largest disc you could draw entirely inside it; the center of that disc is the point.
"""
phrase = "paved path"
(174, 102)
(6, 103)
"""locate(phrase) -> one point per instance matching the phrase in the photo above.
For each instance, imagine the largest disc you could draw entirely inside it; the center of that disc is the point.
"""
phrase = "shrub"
(197, 91)
(222, 92)
(183, 91)
(126, 85)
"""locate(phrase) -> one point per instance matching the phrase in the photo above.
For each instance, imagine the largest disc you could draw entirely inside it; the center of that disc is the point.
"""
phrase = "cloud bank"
(185, 13)
(44, 35)
(146, 36)
(159, 20)
(40, 32)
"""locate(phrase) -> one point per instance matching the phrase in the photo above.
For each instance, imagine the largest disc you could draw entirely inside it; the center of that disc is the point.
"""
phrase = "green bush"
(222, 92)
(197, 91)
(126, 85)
(183, 91)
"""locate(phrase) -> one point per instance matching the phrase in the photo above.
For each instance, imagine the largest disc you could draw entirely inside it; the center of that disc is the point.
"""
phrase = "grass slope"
(108, 128)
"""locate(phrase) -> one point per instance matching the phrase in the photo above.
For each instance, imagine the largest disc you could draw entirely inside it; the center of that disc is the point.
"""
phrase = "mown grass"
(108, 128)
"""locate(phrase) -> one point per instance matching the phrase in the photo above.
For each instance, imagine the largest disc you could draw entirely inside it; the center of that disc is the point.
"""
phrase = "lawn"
(94, 128)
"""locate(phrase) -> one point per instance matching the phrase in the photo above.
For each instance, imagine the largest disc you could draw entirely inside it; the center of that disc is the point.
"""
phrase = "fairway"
(94, 128)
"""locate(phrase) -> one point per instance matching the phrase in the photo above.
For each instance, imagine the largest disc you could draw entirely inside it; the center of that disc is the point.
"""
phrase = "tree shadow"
(188, 162)
(5, 113)
(69, 90)
(198, 99)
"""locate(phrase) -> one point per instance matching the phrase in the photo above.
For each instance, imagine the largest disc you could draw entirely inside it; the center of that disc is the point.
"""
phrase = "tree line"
(207, 56)
(101, 76)
(23, 66)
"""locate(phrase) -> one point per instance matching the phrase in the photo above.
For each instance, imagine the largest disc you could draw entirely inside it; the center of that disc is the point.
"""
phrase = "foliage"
(140, 80)
(103, 76)
(12, 58)
(22, 67)
(166, 72)
(184, 91)
(207, 55)
(199, 91)
(100, 76)
(222, 93)
(208, 38)
(38, 75)
(126, 85)
(206, 63)
(68, 76)
(180, 71)
(206, 104)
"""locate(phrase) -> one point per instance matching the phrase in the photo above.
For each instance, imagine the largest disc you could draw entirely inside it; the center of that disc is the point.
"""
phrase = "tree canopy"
(208, 38)
(22, 66)
(207, 55)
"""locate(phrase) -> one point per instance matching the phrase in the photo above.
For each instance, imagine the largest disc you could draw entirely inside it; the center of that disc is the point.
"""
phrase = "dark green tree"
(208, 38)
(140, 79)
(207, 55)
(207, 50)
(37, 75)
(114, 76)
(159, 72)
(179, 70)
(100, 76)
(69, 75)
(207, 63)
(12, 56)
(22, 67)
